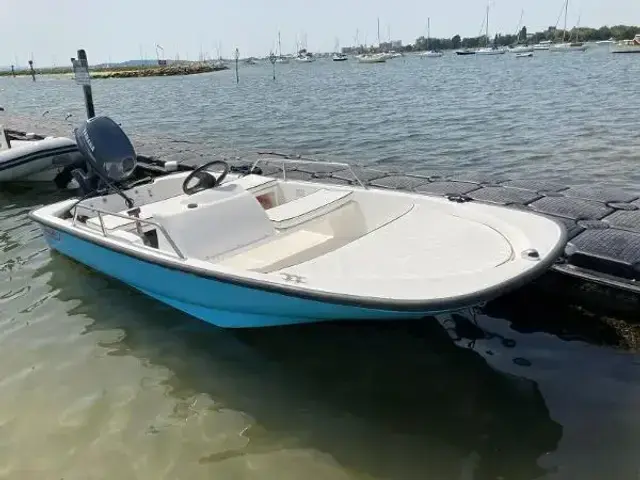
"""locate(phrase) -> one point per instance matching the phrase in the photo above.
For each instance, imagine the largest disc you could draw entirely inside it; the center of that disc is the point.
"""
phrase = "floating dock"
(603, 224)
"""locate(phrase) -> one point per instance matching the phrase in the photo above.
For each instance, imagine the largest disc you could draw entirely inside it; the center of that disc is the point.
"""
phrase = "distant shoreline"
(149, 69)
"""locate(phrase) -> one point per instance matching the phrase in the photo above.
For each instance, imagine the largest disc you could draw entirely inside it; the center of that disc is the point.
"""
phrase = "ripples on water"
(97, 381)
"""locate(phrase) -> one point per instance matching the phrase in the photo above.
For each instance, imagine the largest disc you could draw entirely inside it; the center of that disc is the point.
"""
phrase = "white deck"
(421, 244)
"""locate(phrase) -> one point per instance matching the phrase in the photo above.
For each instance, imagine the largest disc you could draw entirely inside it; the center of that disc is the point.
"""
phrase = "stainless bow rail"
(285, 161)
(137, 220)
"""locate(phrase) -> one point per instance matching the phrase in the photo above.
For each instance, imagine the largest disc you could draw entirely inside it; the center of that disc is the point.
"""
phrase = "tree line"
(584, 34)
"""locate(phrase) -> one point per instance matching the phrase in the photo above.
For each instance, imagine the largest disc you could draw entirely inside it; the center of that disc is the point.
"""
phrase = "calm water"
(97, 381)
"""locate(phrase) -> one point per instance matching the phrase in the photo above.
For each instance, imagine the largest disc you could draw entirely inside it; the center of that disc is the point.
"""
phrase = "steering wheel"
(205, 180)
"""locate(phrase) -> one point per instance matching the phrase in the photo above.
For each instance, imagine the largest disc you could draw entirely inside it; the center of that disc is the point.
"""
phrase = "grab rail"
(284, 161)
(101, 212)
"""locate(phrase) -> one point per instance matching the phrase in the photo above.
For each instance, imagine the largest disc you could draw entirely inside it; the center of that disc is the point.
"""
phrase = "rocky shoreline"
(129, 72)
(169, 71)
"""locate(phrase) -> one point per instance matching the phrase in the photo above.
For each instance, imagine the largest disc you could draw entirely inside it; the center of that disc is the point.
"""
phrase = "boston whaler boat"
(251, 250)
(34, 158)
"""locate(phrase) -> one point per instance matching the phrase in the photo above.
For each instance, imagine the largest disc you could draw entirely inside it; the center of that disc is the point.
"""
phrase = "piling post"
(237, 55)
(33, 72)
(81, 70)
(272, 59)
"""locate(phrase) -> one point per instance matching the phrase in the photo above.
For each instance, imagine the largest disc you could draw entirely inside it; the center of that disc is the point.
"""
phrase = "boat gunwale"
(267, 285)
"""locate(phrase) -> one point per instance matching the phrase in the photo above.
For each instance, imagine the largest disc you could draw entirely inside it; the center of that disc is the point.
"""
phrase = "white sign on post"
(81, 72)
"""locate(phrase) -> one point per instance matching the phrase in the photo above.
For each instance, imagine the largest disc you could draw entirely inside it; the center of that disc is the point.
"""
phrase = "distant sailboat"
(487, 50)
(280, 58)
(337, 56)
(520, 48)
(567, 46)
(430, 53)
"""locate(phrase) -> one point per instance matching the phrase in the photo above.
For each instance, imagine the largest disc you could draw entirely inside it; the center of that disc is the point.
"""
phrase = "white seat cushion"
(224, 219)
(305, 208)
(268, 255)
(254, 182)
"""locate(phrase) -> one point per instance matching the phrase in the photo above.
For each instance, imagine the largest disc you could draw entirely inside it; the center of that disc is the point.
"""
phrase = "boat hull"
(372, 59)
(566, 48)
(625, 49)
(36, 161)
(491, 51)
(217, 302)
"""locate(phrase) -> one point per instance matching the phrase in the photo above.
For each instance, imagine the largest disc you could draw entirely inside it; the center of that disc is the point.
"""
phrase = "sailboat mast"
(428, 31)
(519, 27)
(279, 45)
(486, 33)
(564, 30)
(378, 31)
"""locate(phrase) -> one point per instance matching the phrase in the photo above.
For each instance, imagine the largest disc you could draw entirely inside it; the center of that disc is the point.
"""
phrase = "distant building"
(394, 45)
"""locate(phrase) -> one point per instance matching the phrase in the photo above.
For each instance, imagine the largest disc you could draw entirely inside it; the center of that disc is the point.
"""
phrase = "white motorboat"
(35, 160)
(521, 49)
(384, 55)
(543, 45)
(524, 55)
(255, 251)
(627, 46)
(491, 51)
(431, 54)
(339, 57)
(372, 58)
(305, 57)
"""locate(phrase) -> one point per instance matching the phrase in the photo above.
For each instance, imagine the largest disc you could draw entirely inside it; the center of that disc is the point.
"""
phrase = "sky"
(117, 30)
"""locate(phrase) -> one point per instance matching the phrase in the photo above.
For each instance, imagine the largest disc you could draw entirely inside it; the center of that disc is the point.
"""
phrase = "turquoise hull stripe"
(219, 303)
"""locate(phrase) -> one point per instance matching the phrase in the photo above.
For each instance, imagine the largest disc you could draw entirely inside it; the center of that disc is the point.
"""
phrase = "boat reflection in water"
(388, 400)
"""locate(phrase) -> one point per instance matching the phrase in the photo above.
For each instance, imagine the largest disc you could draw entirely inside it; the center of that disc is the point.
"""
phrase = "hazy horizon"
(123, 30)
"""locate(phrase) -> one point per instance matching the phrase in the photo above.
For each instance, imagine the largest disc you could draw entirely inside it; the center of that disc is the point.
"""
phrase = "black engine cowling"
(110, 156)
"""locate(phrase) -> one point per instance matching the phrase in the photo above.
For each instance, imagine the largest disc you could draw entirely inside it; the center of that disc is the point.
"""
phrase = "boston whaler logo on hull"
(292, 277)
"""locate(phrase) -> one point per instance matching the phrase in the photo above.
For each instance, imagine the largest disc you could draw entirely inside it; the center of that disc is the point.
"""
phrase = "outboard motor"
(111, 158)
